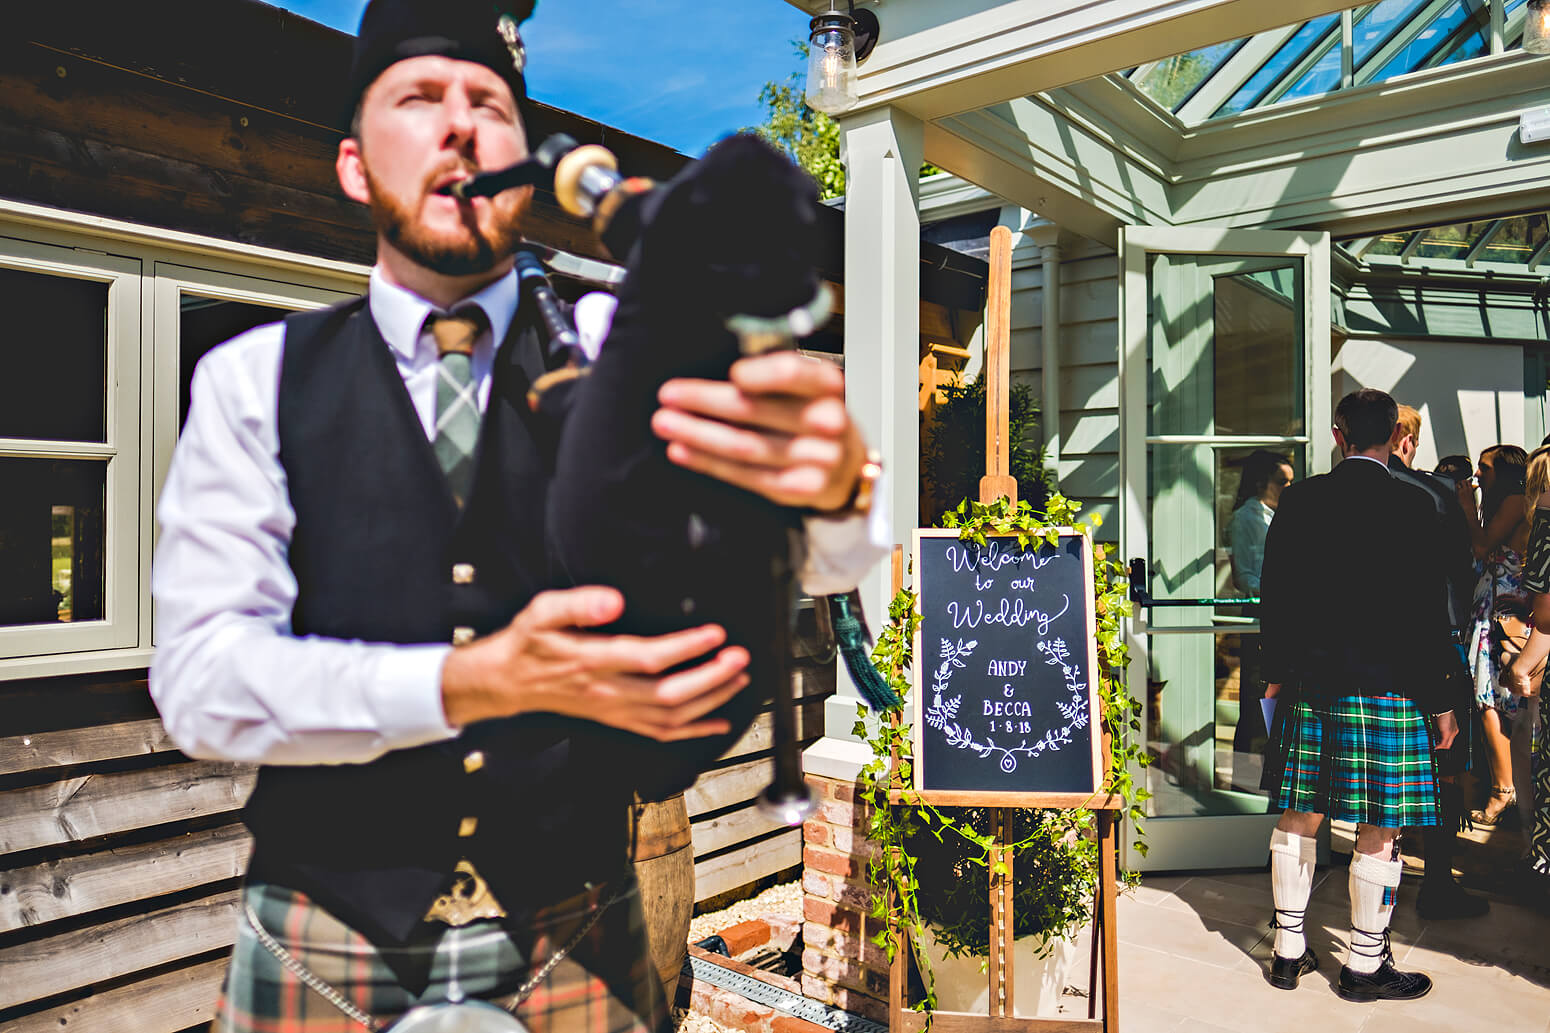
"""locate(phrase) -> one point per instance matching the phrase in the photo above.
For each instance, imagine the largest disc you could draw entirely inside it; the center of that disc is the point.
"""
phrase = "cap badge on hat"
(507, 27)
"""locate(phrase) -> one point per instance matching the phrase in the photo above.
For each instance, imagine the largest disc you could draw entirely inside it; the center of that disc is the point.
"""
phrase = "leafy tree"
(810, 137)
(954, 447)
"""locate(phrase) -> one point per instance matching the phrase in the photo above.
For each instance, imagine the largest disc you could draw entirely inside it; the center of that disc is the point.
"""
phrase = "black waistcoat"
(375, 544)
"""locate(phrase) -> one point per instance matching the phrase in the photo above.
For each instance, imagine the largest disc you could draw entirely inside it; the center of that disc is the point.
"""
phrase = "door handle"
(1142, 596)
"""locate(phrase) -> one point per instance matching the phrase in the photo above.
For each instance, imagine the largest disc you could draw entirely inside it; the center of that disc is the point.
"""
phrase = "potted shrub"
(1054, 875)
(931, 874)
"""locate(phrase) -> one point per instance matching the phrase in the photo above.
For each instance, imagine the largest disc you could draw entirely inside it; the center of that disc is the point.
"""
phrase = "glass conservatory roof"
(1513, 243)
(1387, 39)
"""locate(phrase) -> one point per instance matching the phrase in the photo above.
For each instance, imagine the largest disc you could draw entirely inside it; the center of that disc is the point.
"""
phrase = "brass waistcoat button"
(467, 827)
(473, 762)
(462, 573)
(462, 636)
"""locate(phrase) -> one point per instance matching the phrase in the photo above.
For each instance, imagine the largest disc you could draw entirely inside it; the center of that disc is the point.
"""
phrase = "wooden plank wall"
(120, 859)
(1089, 372)
(119, 862)
(103, 111)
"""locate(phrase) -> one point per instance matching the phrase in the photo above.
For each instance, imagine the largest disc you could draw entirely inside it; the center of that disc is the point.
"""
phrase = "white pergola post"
(883, 149)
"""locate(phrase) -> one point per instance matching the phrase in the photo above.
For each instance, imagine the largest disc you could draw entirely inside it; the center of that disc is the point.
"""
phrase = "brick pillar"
(840, 964)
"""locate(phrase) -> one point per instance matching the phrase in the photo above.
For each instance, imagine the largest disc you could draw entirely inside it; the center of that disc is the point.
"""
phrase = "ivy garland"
(1059, 843)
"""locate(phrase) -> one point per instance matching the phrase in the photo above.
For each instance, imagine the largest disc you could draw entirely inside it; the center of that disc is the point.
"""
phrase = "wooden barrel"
(664, 864)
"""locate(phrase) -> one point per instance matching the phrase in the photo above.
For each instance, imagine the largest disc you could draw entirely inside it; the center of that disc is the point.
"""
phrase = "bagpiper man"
(351, 592)
(1354, 614)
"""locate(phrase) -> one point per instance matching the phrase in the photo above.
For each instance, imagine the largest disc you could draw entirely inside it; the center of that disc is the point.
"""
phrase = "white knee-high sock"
(1371, 876)
(1291, 881)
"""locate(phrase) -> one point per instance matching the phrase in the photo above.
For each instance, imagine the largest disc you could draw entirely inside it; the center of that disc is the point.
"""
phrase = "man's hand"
(779, 428)
(544, 661)
(1447, 729)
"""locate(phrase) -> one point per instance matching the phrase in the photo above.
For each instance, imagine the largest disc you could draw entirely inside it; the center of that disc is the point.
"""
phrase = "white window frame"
(148, 269)
(120, 452)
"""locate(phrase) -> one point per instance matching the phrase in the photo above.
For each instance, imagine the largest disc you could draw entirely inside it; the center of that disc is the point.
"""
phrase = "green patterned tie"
(457, 406)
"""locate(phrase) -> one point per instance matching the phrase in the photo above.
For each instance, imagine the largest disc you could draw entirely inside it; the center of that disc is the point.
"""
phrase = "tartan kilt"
(1366, 759)
(607, 984)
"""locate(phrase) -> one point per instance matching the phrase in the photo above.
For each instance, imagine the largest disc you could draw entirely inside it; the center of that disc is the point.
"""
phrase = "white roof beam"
(1539, 255)
(935, 59)
(1480, 245)
(1046, 160)
(1360, 246)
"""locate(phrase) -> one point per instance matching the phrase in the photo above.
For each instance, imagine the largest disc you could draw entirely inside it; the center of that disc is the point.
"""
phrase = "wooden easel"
(998, 482)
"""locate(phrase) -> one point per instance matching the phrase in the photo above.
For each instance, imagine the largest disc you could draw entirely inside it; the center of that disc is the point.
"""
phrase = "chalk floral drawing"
(943, 715)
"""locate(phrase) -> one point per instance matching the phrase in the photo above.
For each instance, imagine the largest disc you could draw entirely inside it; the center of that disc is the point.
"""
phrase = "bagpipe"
(720, 262)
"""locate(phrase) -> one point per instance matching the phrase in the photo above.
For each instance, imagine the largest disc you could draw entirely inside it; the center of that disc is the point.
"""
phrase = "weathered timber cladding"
(120, 857)
(170, 121)
(119, 861)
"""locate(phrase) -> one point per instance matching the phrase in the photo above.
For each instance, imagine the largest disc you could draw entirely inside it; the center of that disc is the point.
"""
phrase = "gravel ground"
(785, 899)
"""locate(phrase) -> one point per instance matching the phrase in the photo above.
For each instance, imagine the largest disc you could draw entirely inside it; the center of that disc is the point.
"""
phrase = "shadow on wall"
(1470, 394)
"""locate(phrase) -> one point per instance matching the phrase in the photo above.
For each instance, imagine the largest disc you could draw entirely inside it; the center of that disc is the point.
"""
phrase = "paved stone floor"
(1194, 951)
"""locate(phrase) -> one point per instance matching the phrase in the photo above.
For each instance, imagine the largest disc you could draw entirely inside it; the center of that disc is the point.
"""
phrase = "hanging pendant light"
(1536, 27)
(839, 40)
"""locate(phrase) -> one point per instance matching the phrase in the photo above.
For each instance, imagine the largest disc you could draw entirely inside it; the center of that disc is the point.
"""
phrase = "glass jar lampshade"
(1536, 27)
(831, 64)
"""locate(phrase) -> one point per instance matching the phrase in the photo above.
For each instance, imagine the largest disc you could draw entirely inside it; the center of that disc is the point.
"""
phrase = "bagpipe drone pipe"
(720, 262)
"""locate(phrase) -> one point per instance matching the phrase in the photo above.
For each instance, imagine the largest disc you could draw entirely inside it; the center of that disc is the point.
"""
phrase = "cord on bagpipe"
(699, 293)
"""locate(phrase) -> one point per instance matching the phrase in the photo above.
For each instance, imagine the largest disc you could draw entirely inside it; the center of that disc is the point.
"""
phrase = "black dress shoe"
(1386, 984)
(1447, 899)
(1284, 972)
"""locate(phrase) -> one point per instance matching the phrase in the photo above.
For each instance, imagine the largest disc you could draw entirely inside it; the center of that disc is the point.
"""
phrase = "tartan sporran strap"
(460, 1016)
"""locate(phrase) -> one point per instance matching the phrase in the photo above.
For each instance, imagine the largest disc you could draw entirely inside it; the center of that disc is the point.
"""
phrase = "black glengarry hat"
(483, 31)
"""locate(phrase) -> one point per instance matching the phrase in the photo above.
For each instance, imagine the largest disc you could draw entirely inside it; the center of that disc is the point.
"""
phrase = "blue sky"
(682, 73)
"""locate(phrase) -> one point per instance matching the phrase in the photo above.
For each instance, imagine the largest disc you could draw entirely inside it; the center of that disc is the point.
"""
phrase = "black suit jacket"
(1354, 588)
(1458, 558)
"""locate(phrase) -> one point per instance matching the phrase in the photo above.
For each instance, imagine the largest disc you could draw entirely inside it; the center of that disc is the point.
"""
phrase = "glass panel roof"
(1512, 243)
(1518, 239)
(1292, 52)
(1171, 81)
(1457, 32)
(1389, 38)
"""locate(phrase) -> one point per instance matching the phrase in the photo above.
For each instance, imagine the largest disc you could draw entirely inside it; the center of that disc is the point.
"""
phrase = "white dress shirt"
(230, 679)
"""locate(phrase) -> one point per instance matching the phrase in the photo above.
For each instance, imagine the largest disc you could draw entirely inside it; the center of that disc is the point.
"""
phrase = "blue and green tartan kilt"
(607, 984)
(1366, 759)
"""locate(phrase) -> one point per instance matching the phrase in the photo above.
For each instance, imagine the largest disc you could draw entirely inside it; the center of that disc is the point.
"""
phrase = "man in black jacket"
(1355, 616)
(1440, 895)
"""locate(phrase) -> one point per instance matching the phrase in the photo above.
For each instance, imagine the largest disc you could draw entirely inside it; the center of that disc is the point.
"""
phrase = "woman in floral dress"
(1518, 677)
(1499, 533)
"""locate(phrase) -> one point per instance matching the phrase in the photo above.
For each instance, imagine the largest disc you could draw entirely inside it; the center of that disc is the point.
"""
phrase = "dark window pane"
(1290, 53)
(56, 357)
(1170, 81)
(1259, 358)
(1378, 25)
(1449, 241)
(1321, 78)
(1517, 240)
(52, 535)
(1454, 35)
(207, 322)
(1389, 244)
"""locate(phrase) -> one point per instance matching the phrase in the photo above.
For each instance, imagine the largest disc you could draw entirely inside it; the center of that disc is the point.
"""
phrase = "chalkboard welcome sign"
(1006, 669)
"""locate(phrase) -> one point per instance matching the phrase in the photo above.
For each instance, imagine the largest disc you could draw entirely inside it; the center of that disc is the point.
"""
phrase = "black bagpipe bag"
(734, 233)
